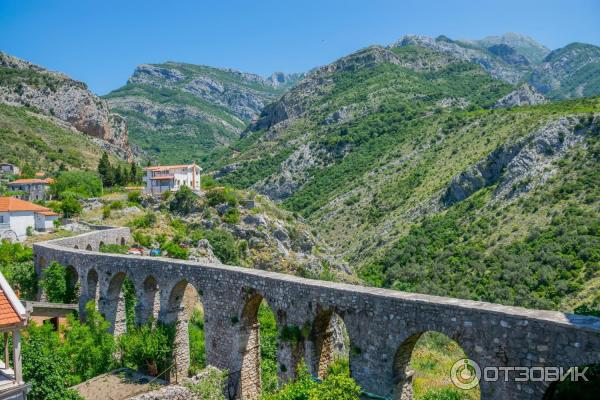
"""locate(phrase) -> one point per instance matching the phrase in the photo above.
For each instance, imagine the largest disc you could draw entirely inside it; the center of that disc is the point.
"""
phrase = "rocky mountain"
(56, 95)
(180, 112)
(428, 173)
(570, 72)
(523, 45)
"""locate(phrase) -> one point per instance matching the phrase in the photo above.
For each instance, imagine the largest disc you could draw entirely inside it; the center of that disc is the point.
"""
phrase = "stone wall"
(382, 325)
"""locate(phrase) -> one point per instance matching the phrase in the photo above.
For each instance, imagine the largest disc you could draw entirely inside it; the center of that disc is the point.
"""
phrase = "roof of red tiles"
(8, 315)
(47, 181)
(167, 167)
(8, 204)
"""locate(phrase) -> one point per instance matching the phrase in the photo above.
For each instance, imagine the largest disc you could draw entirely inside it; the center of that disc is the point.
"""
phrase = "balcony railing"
(4, 226)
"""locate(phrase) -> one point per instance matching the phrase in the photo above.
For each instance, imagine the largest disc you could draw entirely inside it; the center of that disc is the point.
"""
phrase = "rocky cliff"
(55, 94)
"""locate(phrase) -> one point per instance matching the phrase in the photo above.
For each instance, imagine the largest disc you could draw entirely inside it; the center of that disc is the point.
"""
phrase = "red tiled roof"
(47, 181)
(167, 167)
(48, 213)
(8, 204)
(8, 315)
(162, 177)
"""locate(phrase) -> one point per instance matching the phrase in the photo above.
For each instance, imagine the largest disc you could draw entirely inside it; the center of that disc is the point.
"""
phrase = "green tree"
(147, 347)
(77, 183)
(184, 201)
(70, 207)
(88, 346)
(106, 171)
(133, 173)
(58, 284)
(27, 171)
(44, 367)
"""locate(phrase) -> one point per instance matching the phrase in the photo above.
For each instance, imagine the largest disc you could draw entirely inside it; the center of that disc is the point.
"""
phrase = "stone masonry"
(382, 325)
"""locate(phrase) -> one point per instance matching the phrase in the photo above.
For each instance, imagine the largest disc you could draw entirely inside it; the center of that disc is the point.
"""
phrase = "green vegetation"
(82, 184)
(16, 264)
(147, 348)
(59, 284)
(32, 139)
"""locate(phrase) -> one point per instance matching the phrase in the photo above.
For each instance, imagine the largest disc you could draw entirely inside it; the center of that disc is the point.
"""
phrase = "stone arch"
(330, 342)
(101, 244)
(113, 305)
(88, 247)
(582, 389)
(250, 375)
(182, 300)
(403, 372)
(123, 241)
(73, 284)
(93, 289)
(149, 302)
(76, 247)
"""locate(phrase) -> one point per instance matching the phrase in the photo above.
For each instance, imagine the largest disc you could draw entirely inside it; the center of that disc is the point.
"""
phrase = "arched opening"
(579, 388)
(258, 340)
(88, 247)
(421, 368)
(93, 290)
(101, 245)
(123, 241)
(73, 285)
(113, 305)
(331, 343)
(149, 305)
(76, 247)
(186, 312)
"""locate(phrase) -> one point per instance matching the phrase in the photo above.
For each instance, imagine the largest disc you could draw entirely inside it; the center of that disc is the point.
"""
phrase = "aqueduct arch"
(379, 321)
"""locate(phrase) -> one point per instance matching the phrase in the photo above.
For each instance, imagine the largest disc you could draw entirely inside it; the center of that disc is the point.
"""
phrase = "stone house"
(163, 178)
(13, 318)
(7, 168)
(18, 216)
(33, 189)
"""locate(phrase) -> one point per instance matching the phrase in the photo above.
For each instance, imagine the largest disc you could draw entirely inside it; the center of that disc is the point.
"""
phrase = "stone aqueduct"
(383, 325)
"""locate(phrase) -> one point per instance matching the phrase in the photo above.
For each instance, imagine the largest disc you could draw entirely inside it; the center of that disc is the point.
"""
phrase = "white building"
(162, 178)
(17, 216)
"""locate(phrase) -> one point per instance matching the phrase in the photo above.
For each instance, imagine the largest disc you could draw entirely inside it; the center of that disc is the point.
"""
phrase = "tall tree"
(133, 172)
(106, 171)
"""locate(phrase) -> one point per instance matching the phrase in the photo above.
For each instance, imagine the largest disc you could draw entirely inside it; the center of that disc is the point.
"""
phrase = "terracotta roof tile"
(47, 181)
(8, 315)
(13, 204)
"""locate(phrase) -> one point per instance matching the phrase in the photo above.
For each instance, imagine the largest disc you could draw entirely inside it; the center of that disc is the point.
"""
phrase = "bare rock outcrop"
(68, 100)
(524, 95)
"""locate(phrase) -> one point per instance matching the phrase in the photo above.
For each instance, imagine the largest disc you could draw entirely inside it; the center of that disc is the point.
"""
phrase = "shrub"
(184, 201)
(134, 197)
(175, 251)
(224, 246)
(232, 216)
(147, 348)
(446, 393)
(114, 248)
(212, 385)
(222, 195)
(70, 207)
(145, 221)
(54, 282)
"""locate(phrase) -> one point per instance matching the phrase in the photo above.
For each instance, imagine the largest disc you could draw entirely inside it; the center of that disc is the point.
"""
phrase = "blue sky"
(101, 42)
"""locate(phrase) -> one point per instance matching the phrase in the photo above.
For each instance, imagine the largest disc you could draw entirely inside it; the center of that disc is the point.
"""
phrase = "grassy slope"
(32, 138)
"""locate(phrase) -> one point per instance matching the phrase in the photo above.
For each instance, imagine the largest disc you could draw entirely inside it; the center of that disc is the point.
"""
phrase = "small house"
(18, 217)
(9, 169)
(164, 178)
(32, 189)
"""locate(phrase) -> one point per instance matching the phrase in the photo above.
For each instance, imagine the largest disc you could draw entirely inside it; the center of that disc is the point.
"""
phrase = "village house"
(17, 217)
(160, 179)
(33, 189)
(13, 318)
(6, 168)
